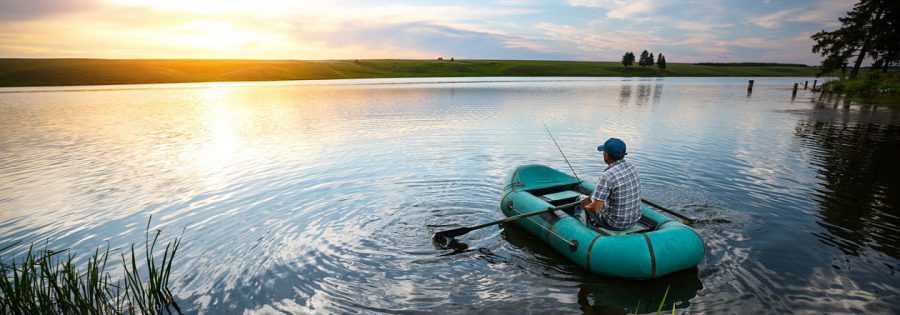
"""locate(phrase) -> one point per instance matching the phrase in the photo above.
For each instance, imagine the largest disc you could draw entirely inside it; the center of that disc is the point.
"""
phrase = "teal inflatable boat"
(656, 246)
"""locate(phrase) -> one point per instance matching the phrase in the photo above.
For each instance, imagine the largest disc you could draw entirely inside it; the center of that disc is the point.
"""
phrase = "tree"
(643, 61)
(661, 62)
(650, 60)
(869, 29)
(628, 59)
(886, 47)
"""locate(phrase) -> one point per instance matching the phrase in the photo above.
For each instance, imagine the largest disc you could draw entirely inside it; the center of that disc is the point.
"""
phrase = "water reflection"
(856, 154)
(644, 90)
(617, 296)
(314, 197)
(625, 93)
(605, 295)
(657, 92)
(647, 92)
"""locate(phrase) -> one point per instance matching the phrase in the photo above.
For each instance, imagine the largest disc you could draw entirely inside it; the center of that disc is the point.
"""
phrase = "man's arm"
(595, 202)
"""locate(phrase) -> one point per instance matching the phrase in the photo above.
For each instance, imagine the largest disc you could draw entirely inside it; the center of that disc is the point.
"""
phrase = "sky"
(601, 30)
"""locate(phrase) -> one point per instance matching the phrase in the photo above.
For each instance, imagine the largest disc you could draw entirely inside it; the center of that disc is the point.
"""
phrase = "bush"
(874, 83)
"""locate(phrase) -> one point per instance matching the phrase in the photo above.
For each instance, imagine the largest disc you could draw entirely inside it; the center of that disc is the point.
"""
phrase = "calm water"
(322, 196)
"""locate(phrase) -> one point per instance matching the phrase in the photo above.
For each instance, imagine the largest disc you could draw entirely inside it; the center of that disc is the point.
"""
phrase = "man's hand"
(592, 205)
(584, 200)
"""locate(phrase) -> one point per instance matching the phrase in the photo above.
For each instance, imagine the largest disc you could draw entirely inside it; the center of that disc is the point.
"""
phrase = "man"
(616, 202)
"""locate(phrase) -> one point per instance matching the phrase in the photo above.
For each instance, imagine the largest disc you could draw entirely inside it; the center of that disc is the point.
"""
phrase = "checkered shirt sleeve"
(603, 187)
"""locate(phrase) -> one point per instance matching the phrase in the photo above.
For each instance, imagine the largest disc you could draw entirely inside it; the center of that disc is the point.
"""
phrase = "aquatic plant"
(44, 282)
(661, 304)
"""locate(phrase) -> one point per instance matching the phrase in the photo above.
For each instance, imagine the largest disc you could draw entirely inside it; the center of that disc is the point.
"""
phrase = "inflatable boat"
(656, 246)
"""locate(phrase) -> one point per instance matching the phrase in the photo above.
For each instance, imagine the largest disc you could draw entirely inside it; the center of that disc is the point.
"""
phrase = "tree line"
(870, 29)
(645, 61)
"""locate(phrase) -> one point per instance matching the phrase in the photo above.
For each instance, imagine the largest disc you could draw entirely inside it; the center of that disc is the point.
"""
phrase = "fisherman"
(616, 202)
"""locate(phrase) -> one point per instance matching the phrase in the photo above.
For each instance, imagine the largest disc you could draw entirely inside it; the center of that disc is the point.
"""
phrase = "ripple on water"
(316, 197)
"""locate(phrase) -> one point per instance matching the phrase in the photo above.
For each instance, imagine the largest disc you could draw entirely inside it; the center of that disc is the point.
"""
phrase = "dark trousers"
(591, 218)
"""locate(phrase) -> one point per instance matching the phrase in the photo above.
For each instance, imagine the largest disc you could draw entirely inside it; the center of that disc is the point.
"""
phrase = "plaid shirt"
(620, 188)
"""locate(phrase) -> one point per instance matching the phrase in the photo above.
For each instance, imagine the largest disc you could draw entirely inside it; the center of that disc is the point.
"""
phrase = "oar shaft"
(524, 215)
(679, 215)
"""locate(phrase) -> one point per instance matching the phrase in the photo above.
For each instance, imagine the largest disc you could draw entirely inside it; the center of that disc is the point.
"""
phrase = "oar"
(463, 230)
(680, 216)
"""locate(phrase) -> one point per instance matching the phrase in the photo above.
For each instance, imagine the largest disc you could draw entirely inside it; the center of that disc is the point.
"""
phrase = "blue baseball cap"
(614, 146)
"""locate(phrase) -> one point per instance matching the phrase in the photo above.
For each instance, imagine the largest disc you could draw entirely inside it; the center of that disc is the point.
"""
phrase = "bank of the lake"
(59, 72)
(875, 83)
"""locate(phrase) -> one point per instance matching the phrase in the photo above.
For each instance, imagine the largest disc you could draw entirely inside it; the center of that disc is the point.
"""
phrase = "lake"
(321, 196)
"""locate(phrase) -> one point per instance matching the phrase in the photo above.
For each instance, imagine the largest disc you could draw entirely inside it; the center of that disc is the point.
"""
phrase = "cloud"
(825, 13)
(351, 29)
(515, 2)
(773, 20)
(318, 32)
(440, 40)
(619, 9)
(698, 26)
(631, 9)
(18, 10)
(596, 43)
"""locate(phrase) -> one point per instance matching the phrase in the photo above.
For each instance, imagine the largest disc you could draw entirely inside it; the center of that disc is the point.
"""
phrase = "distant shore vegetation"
(62, 72)
(749, 64)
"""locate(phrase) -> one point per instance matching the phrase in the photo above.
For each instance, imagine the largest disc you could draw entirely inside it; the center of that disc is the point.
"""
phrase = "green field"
(45, 72)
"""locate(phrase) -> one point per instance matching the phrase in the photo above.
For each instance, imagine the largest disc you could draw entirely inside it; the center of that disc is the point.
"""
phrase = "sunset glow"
(272, 29)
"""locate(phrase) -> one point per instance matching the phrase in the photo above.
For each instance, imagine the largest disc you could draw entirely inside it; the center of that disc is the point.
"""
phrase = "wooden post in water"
(805, 84)
(814, 84)
(750, 87)
(795, 90)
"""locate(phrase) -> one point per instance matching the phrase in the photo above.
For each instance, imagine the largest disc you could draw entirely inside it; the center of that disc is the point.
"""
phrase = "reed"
(661, 304)
(46, 282)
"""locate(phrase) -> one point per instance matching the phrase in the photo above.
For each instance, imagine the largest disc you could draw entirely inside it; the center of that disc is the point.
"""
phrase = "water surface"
(321, 196)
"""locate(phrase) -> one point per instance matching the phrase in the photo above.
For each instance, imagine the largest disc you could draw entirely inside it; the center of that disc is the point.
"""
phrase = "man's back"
(620, 186)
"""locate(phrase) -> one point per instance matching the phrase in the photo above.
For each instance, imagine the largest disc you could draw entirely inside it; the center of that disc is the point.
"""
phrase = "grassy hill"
(45, 72)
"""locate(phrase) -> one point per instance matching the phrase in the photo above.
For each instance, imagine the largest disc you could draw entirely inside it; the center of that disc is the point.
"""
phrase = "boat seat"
(562, 195)
(643, 225)
(634, 229)
(565, 196)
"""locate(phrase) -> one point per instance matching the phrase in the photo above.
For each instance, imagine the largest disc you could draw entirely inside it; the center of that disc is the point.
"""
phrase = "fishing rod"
(560, 151)
(450, 234)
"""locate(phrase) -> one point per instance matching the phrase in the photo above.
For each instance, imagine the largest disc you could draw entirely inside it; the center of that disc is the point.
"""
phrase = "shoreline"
(91, 72)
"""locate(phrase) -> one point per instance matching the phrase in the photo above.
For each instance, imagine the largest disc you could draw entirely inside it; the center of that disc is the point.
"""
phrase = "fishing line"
(560, 151)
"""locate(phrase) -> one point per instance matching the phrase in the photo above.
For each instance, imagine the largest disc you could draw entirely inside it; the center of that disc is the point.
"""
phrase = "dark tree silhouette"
(661, 62)
(869, 29)
(628, 59)
(643, 61)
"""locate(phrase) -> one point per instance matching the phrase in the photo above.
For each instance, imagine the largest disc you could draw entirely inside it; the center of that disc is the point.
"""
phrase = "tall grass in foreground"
(661, 304)
(45, 282)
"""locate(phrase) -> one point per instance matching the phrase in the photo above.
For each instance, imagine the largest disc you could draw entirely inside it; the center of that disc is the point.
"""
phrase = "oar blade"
(451, 233)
